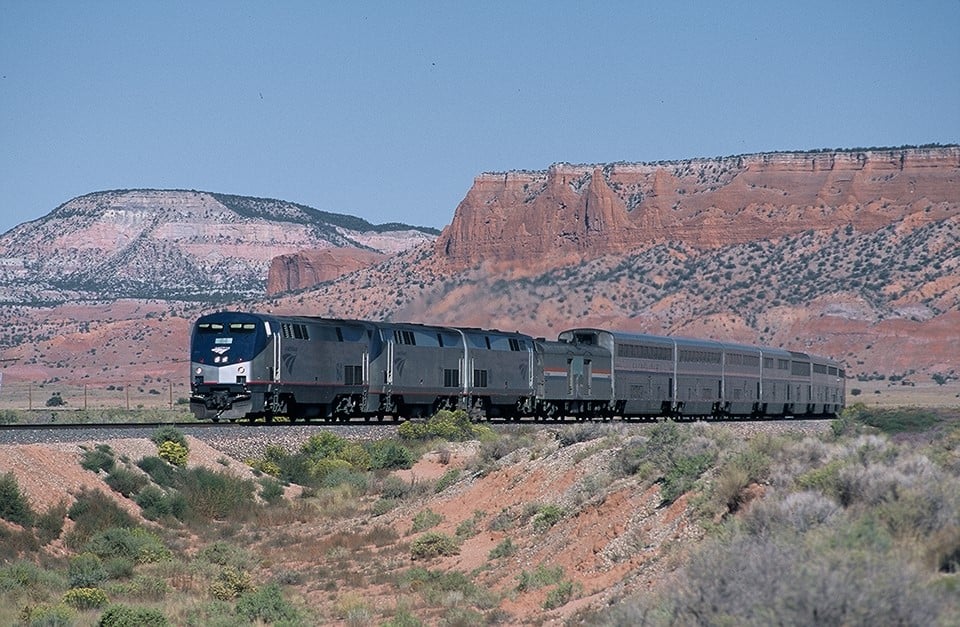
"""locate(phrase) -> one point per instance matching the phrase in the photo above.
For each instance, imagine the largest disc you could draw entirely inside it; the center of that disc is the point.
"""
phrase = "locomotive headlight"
(241, 370)
(199, 370)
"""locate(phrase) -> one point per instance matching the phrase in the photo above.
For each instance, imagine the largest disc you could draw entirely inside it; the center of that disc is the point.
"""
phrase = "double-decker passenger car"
(654, 375)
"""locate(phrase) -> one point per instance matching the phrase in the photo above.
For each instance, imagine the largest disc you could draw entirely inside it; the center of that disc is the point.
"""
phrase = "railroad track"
(67, 426)
(78, 426)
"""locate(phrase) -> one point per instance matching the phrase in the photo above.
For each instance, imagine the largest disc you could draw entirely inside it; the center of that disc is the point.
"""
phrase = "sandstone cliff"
(574, 212)
(308, 268)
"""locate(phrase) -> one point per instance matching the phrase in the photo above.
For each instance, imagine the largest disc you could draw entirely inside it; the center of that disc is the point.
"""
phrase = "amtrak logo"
(289, 358)
(220, 350)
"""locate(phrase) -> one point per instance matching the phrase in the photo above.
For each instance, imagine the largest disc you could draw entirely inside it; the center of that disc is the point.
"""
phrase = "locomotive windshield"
(223, 339)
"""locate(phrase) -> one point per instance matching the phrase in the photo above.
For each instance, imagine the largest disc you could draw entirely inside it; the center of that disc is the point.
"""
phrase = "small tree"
(14, 505)
(56, 400)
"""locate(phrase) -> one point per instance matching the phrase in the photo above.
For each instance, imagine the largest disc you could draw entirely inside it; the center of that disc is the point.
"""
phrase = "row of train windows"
(665, 353)
(699, 357)
(662, 353)
(824, 369)
(401, 336)
(782, 364)
(739, 359)
(640, 391)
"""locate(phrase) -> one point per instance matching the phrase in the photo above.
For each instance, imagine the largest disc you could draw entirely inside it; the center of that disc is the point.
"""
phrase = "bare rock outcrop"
(308, 268)
(540, 219)
(173, 244)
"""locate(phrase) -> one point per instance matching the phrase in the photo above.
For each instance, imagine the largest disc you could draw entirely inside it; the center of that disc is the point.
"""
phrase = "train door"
(579, 377)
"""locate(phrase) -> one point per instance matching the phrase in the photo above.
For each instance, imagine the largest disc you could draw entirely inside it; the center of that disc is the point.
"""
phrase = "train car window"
(480, 378)
(700, 357)
(783, 364)
(517, 345)
(210, 327)
(820, 368)
(800, 368)
(832, 370)
(768, 362)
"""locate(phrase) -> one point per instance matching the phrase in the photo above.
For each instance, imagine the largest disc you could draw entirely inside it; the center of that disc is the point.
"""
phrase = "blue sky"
(387, 110)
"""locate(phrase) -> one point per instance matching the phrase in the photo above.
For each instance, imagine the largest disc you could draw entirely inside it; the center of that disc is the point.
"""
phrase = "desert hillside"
(174, 245)
(850, 522)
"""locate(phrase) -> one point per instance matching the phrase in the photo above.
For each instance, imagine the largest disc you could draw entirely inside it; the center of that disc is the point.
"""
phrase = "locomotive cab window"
(210, 327)
(242, 327)
(583, 338)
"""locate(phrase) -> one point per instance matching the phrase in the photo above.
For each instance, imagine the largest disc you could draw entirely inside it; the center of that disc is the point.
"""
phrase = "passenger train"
(251, 365)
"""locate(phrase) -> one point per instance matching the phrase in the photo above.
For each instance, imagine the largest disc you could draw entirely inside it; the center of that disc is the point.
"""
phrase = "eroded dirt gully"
(613, 537)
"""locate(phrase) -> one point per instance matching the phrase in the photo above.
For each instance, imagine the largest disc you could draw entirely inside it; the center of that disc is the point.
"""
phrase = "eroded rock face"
(308, 268)
(538, 219)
